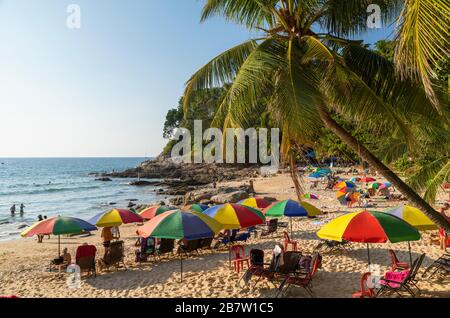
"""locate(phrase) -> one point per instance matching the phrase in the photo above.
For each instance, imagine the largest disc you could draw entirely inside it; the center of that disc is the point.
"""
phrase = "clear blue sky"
(102, 90)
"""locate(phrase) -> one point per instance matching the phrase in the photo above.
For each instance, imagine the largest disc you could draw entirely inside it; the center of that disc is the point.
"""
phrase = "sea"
(63, 186)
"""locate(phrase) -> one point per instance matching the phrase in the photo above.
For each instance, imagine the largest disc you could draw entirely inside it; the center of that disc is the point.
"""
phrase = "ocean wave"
(50, 190)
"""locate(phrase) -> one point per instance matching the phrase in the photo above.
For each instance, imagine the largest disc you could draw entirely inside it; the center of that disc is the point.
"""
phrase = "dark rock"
(141, 183)
(104, 179)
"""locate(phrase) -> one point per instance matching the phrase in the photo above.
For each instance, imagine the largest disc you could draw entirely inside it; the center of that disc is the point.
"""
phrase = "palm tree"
(302, 58)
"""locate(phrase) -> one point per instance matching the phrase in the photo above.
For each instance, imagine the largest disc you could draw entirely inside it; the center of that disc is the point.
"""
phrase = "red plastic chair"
(239, 258)
(288, 242)
(396, 264)
(363, 293)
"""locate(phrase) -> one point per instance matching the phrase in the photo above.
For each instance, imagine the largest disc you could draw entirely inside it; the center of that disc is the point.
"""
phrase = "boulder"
(231, 197)
(103, 179)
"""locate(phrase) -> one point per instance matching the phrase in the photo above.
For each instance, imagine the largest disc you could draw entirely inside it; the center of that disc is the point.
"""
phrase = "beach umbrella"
(374, 185)
(59, 225)
(197, 207)
(291, 208)
(115, 217)
(180, 225)
(316, 175)
(311, 196)
(367, 179)
(369, 227)
(257, 203)
(415, 217)
(340, 195)
(344, 185)
(235, 216)
(151, 212)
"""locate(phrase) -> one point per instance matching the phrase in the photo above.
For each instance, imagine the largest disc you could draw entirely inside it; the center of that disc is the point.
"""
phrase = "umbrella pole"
(59, 246)
(368, 254)
(292, 233)
(181, 266)
(410, 256)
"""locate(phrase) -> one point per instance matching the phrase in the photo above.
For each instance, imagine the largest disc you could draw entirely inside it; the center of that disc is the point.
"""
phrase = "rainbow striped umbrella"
(235, 216)
(59, 225)
(197, 207)
(340, 195)
(374, 185)
(116, 217)
(369, 227)
(367, 179)
(344, 185)
(311, 196)
(257, 203)
(291, 208)
(180, 225)
(151, 212)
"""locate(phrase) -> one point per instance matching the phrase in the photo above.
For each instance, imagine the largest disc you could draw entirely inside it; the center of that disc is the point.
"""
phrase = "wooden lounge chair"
(85, 259)
(396, 264)
(166, 246)
(272, 228)
(189, 247)
(303, 280)
(113, 257)
(205, 244)
(440, 266)
(405, 284)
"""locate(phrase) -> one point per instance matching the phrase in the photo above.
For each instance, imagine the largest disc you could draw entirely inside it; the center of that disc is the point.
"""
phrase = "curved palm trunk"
(409, 193)
(294, 176)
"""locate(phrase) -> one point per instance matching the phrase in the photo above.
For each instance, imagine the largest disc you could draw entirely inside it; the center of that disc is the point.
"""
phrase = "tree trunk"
(298, 188)
(409, 193)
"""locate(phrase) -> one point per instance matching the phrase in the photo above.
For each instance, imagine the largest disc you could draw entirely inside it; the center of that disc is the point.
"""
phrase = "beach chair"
(190, 247)
(257, 264)
(238, 257)
(85, 259)
(288, 242)
(166, 246)
(365, 291)
(272, 227)
(440, 266)
(303, 280)
(205, 244)
(278, 273)
(403, 281)
(243, 237)
(147, 248)
(396, 264)
(329, 247)
(114, 256)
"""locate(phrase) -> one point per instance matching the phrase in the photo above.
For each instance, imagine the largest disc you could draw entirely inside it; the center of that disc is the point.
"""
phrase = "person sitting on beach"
(40, 236)
(67, 258)
(107, 236)
(13, 210)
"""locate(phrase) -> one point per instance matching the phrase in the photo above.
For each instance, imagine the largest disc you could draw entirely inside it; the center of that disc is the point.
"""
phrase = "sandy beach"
(24, 263)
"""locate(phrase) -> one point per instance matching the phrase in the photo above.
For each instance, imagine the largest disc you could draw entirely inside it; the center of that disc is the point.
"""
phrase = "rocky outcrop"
(232, 197)
(104, 179)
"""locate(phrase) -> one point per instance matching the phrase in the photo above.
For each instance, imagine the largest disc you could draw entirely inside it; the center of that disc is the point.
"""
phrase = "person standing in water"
(22, 207)
(13, 210)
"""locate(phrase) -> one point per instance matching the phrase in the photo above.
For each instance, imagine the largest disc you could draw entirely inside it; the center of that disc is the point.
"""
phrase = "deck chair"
(272, 227)
(329, 247)
(257, 264)
(190, 247)
(165, 247)
(277, 273)
(396, 264)
(401, 281)
(205, 244)
(303, 280)
(440, 266)
(114, 256)
(147, 248)
(85, 259)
